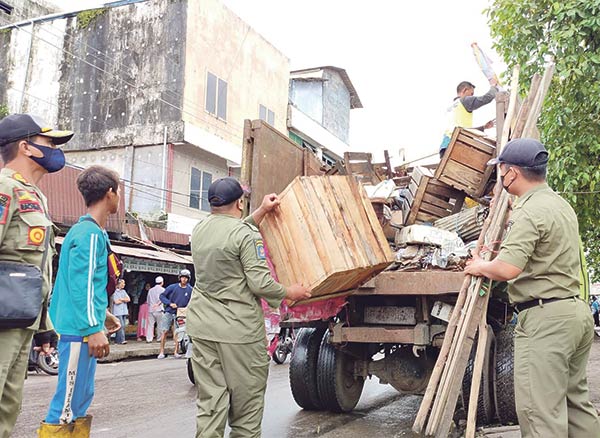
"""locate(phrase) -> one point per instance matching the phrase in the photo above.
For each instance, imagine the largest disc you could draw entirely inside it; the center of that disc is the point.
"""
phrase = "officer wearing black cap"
(224, 317)
(460, 112)
(540, 259)
(28, 150)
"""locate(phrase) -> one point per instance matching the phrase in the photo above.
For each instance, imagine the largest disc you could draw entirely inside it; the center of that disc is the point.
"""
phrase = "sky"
(404, 58)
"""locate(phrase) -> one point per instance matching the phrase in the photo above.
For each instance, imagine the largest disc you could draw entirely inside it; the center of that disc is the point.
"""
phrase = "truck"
(391, 327)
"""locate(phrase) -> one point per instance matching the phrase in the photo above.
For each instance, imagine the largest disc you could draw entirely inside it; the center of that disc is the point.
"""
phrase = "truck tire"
(339, 390)
(303, 368)
(190, 371)
(505, 385)
(485, 402)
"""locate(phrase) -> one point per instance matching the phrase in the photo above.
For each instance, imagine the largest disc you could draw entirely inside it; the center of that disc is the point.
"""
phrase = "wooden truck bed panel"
(413, 283)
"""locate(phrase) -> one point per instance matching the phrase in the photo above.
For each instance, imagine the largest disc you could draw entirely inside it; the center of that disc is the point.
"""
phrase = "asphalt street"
(154, 399)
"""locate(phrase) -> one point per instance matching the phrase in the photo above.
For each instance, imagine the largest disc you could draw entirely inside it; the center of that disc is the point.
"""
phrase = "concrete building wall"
(336, 105)
(25, 9)
(115, 76)
(307, 96)
(256, 72)
(185, 157)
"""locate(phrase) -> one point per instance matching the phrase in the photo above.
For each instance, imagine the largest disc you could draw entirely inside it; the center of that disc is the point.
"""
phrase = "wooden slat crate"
(431, 199)
(325, 235)
(464, 165)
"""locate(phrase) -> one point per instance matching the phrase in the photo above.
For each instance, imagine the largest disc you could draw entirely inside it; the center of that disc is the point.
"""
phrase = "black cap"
(224, 191)
(522, 152)
(20, 126)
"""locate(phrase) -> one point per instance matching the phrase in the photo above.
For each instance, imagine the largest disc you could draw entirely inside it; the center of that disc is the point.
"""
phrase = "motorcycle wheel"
(48, 363)
(190, 371)
(280, 355)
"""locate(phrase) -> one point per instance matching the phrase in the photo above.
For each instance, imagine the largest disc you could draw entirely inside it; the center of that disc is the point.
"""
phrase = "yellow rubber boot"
(56, 430)
(83, 426)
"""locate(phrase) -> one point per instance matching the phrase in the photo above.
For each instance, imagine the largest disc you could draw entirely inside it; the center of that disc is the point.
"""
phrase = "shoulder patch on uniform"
(27, 201)
(36, 235)
(20, 178)
(4, 207)
(260, 249)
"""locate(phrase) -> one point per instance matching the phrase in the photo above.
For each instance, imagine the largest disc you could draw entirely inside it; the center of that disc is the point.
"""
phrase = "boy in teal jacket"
(78, 307)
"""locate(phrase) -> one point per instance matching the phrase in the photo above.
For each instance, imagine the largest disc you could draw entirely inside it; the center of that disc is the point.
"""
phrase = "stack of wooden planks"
(325, 235)
(469, 315)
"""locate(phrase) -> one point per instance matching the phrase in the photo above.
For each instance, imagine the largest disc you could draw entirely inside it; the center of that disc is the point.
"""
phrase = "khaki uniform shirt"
(231, 277)
(542, 239)
(24, 228)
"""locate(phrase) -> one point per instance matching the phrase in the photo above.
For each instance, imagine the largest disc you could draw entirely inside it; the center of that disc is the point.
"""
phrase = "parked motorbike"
(40, 361)
(282, 344)
(185, 343)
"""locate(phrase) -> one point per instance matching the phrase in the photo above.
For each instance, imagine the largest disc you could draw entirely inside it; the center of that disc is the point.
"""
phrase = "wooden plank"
(357, 156)
(276, 161)
(388, 164)
(414, 283)
(400, 335)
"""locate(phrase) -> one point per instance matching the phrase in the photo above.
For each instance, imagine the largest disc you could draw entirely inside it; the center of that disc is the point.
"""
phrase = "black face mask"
(502, 180)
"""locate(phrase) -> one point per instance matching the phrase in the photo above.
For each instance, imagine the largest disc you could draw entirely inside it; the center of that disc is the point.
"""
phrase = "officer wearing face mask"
(541, 260)
(28, 148)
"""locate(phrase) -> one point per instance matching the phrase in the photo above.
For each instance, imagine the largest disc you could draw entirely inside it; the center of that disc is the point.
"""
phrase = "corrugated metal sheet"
(145, 253)
(65, 203)
(157, 235)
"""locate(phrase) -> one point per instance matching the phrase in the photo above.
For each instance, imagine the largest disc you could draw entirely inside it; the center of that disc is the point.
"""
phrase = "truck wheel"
(303, 368)
(190, 371)
(280, 355)
(339, 390)
(485, 402)
(505, 385)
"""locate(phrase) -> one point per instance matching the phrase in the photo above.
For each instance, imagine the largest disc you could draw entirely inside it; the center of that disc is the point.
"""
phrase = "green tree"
(528, 33)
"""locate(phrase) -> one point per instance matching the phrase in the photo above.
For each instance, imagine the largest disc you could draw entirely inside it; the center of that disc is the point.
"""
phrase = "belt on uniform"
(539, 302)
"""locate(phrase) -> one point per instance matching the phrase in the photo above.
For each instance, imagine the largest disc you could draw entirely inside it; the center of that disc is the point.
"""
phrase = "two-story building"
(157, 90)
(319, 110)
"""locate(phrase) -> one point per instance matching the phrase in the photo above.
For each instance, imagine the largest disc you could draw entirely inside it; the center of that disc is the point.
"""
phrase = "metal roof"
(354, 99)
(145, 253)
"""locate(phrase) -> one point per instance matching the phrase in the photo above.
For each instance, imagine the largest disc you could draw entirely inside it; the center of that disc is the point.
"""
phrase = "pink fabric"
(142, 320)
(319, 310)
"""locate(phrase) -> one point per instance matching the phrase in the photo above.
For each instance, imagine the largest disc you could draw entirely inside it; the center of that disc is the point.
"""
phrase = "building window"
(216, 96)
(199, 183)
(266, 114)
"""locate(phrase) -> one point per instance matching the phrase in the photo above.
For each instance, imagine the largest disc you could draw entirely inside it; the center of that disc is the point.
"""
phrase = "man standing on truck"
(225, 320)
(540, 259)
(460, 112)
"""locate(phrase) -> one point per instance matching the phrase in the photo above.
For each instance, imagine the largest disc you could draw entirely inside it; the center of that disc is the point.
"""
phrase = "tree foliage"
(528, 33)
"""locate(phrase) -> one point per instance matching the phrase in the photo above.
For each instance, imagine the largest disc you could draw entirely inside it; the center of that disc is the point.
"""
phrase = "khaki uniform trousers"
(552, 346)
(231, 380)
(15, 345)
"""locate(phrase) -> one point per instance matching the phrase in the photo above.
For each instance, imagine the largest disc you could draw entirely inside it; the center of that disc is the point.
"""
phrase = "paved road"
(152, 399)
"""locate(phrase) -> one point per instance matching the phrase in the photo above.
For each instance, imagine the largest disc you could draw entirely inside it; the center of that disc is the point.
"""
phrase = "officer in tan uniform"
(540, 258)
(28, 148)
(224, 317)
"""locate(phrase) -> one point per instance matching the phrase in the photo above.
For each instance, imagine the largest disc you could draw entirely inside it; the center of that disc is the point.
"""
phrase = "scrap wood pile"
(469, 316)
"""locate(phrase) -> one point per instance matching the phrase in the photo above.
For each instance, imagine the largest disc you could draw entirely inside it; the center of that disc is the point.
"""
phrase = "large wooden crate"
(431, 199)
(325, 235)
(464, 165)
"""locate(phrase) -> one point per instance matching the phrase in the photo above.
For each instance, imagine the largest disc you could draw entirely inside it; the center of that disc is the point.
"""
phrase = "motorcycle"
(40, 361)
(282, 344)
(185, 343)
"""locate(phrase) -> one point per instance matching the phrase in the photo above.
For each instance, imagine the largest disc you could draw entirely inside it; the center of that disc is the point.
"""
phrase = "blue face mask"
(53, 159)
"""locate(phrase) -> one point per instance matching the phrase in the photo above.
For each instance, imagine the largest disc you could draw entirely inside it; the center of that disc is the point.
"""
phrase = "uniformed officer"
(224, 318)
(540, 259)
(28, 147)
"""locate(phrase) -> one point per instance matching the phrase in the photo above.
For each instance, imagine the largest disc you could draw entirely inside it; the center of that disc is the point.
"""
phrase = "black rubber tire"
(279, 355)
(485, 402)
(504, 382)
(303, 368)
(49, 363)
(190, 371)
(338, 389)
